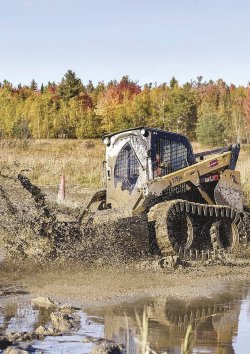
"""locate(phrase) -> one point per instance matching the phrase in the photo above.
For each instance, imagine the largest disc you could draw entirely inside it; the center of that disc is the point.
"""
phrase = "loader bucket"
(228, 190)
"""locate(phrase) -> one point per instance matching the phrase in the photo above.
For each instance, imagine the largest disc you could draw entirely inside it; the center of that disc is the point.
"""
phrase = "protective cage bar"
(170, 156)
(126, 168)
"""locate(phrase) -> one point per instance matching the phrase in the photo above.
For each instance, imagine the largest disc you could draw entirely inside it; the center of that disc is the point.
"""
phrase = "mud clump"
(106, 347)
(34, 226)
(64, 320)
(4, 343)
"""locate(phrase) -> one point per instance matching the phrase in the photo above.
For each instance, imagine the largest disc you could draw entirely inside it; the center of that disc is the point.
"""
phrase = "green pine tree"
(33, 85)
(70, 86)
(210, 130)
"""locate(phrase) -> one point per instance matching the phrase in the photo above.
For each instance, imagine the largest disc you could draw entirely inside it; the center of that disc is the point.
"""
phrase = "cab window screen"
(170, 156)
(126, 168)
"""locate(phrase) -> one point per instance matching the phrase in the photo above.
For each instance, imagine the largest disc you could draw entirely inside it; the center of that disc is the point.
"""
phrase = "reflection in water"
(242, 341)
(218, 325)
(213, 323)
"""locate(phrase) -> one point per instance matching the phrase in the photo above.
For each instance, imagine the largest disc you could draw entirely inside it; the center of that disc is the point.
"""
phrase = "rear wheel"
(226, 234)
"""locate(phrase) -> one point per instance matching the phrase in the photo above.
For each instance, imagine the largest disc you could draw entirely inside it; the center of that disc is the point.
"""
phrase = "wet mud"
(94, 263)
(33, 225)
(218, 322)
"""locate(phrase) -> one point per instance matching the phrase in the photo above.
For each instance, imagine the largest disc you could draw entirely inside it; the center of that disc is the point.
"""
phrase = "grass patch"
(44, 160)
(81, 161)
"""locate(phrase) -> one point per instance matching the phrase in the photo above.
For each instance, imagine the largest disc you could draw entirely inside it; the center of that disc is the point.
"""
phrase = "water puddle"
(220, 324)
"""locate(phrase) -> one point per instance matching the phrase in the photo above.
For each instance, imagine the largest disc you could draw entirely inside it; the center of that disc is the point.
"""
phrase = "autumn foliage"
(212, 112)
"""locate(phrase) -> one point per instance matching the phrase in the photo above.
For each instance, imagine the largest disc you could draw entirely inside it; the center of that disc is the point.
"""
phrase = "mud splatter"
(34, 226)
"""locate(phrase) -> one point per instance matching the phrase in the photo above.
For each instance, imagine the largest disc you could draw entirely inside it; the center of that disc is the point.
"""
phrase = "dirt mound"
(33, 225)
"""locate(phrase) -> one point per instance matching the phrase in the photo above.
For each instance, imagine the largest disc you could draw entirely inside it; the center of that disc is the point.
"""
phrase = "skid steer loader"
(181, 203)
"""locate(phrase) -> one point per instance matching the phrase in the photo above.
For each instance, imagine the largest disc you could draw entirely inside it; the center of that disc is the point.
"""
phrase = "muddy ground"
(99, 299)
(34, 225)
(52, 250)
(82, 286)
(49, 253)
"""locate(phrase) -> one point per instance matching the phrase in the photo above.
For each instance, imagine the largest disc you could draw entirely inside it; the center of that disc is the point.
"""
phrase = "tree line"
(211, 112)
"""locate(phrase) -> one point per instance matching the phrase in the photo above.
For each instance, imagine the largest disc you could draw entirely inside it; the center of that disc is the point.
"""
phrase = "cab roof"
(143, 127)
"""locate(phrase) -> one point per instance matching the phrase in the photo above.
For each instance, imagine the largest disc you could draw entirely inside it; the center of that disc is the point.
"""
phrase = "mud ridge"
(35, 226)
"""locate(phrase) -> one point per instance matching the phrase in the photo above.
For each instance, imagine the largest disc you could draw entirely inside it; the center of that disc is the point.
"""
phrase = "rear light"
(210, 178)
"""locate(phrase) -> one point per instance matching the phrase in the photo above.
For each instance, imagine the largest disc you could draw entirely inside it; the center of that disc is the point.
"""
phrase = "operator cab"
(136, 156)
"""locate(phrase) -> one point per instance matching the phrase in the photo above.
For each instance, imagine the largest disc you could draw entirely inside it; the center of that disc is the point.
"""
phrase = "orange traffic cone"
(61, 191)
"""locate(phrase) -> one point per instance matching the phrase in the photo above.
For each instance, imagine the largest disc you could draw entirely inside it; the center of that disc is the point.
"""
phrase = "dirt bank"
(34, 226)
(83, 286)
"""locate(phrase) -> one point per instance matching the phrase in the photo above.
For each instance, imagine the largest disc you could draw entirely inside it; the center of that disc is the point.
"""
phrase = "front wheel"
(174, 229)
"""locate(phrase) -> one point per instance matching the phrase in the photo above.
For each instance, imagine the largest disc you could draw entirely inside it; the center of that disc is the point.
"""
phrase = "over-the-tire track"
(189, 229)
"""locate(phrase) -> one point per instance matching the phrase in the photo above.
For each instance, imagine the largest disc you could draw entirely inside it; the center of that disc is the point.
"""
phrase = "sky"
(149, 40)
